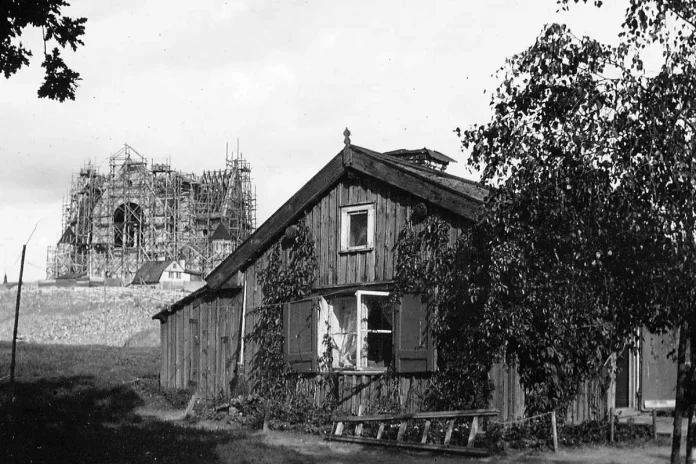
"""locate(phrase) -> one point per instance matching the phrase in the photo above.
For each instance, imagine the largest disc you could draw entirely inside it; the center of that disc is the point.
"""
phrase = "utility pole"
(16, 322)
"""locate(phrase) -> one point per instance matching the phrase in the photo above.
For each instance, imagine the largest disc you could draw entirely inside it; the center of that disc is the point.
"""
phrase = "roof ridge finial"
(346, 134)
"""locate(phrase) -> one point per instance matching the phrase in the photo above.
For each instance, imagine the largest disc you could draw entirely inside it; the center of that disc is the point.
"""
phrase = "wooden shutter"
(413, 343)
(300, 329)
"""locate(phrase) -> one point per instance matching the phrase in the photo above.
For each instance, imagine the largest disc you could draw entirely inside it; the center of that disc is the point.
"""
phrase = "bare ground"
(315, 449)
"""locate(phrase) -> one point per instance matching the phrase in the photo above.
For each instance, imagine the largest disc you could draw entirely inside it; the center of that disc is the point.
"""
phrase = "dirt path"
(315, 449)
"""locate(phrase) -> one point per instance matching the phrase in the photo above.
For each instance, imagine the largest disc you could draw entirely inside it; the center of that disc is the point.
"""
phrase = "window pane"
(358, 229)
(343, 321)
(377, 327)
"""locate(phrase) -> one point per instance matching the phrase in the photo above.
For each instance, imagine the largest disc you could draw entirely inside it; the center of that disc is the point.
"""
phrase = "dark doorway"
(622, 380)
(128, 225)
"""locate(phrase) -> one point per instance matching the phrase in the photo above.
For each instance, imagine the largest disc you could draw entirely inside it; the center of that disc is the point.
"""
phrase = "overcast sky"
(178, 79)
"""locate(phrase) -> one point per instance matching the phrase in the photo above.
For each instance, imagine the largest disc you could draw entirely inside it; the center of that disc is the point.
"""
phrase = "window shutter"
(413, 343)
(300, 329)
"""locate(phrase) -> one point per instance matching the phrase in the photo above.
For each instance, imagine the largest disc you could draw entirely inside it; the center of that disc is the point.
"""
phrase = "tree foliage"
(592, 218)
(450, 277)
(60, 81)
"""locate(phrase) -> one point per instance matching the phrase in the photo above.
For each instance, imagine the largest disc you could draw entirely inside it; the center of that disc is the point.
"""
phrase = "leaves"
(591, 222)
(288, 275)
(60, 81)
(449, 276)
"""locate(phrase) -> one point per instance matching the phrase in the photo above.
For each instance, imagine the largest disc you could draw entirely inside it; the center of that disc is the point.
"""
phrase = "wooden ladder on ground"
(404, 420)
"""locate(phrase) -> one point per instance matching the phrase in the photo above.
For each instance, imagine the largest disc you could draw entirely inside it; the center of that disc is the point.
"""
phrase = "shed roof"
(462, 197)
(150, 272)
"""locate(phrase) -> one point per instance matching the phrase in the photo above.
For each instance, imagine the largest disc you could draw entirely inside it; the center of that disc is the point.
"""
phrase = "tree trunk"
(689, 396)
(679, 397)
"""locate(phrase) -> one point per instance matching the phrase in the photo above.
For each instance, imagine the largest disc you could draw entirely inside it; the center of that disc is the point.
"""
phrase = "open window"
(359, 325)
(363, 329)
(357, 227)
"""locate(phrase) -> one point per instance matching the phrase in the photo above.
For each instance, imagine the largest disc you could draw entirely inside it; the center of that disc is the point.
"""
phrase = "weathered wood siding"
(392, 209)
(371, 391)
(591, 402)
(200, 345)
(508, 396)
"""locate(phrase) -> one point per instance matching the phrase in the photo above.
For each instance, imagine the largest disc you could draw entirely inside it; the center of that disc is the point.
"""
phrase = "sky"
(177, 80)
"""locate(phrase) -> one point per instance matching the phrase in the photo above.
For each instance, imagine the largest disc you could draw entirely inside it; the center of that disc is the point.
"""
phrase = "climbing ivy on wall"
(452, 282)
(288, 275)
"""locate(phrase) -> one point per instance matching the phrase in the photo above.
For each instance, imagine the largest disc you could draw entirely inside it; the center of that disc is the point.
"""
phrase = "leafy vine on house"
(452, 282)
(289, 274)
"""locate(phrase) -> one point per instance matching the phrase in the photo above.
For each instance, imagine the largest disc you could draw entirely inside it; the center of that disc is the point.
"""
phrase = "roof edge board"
(282, 218)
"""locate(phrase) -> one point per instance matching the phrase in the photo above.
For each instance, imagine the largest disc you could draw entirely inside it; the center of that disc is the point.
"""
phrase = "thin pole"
(554, 432)
(16, 322)
(690, 437)
(240, 365)
(611, 425)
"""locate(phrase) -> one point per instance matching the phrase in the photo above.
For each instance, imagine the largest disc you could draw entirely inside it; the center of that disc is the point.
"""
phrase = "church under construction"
(141, 211)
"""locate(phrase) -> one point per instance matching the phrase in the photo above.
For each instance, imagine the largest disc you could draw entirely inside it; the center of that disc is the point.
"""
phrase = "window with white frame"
(359, 326)
(357, 227)
(363, 329)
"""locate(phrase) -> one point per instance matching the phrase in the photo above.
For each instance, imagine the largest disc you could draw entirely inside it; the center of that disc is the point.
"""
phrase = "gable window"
(357, 227)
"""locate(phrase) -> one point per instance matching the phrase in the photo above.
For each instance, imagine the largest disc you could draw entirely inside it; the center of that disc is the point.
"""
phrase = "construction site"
(141, 211)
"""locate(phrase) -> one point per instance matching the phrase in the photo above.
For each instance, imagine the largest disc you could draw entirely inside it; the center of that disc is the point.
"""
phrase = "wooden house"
(354, 207)
(167, 274)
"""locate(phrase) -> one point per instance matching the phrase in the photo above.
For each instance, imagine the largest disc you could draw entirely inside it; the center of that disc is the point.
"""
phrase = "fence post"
(611, 425)
(554, 431)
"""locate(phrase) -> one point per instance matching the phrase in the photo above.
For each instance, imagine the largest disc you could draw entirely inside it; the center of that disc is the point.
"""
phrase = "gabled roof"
(461, 196)
(68, 236)
(221, 233)
(150, 272)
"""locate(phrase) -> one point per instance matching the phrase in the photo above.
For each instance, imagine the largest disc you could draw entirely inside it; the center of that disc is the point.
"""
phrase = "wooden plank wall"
(392, 209)
(200, 345)
(589, 404)
(508, 396)
(374, 392)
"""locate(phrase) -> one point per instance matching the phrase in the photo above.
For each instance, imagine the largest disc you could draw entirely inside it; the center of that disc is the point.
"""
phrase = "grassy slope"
(78, 316)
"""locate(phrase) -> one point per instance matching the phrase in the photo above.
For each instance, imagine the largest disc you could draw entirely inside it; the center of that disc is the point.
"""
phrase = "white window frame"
(346, 212)
(362, 334)
(326, 328)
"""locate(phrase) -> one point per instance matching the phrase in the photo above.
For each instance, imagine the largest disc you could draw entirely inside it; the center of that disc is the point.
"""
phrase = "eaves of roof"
(452, 193)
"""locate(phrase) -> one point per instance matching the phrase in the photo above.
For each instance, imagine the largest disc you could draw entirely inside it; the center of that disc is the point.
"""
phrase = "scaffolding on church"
(144, 211)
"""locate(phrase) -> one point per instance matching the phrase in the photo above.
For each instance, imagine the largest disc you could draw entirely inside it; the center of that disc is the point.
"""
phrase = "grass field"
(83, 404)
(77, 404)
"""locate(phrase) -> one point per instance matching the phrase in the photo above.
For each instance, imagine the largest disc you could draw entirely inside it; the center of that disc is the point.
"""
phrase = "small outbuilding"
(162, 274)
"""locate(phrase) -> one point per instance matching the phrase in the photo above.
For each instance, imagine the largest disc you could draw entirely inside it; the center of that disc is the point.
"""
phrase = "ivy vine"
(288, 275)
(452, 281)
